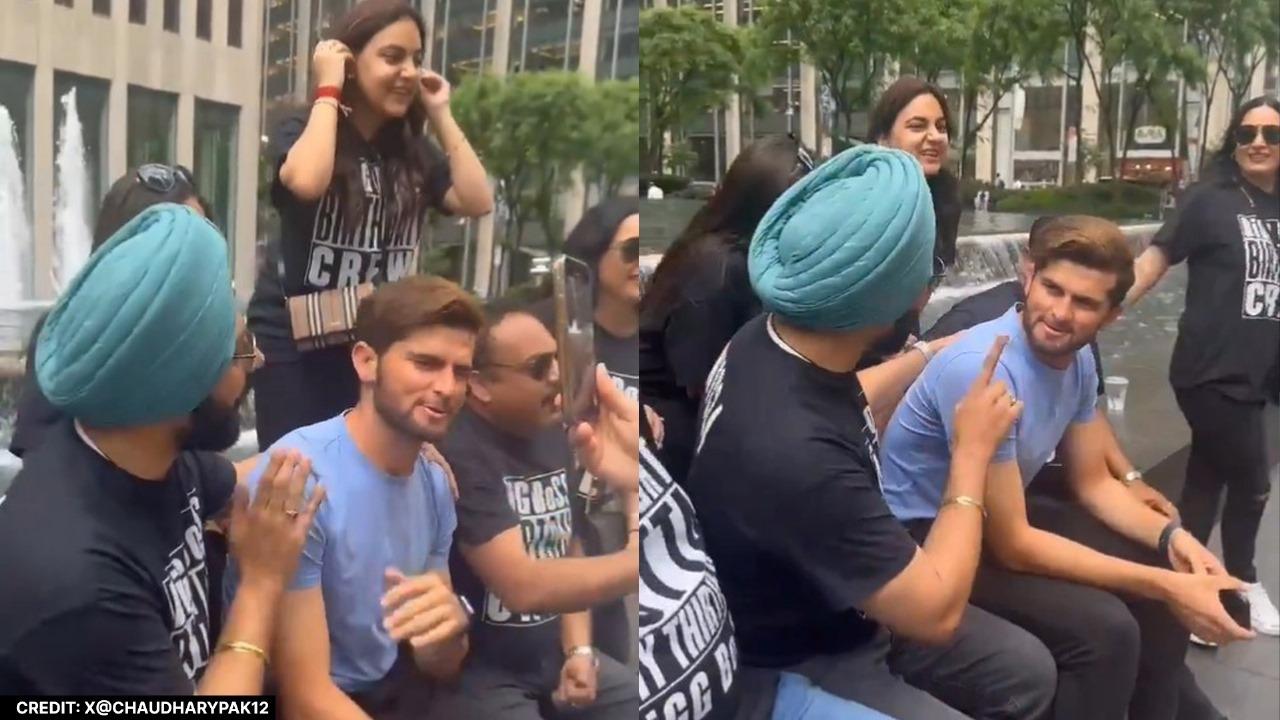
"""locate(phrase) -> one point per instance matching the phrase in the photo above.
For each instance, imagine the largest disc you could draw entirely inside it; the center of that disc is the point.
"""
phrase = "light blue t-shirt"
(369, 521)
(915, 453)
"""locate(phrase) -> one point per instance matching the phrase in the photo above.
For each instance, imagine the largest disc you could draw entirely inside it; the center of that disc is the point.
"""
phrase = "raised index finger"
(992, 359)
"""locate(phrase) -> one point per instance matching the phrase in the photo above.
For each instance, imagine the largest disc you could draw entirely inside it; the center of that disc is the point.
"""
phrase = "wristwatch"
(924, 349)
(1131, 477)
(586, 650)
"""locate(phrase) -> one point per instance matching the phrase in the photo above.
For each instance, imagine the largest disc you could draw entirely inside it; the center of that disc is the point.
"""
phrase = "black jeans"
(1228, 448)
(1116, 657)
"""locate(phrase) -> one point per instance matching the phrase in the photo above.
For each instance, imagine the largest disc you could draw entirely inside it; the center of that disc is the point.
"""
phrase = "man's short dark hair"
(396, 310)
(1093, 242)
(494, 313)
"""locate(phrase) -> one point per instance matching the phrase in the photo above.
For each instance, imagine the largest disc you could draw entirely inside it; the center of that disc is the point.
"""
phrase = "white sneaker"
(1263, 613)
(1202, 642)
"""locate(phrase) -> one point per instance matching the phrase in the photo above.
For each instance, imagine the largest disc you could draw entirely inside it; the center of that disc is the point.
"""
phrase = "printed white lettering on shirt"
(342, 255)
(686, 652)
(546, 523)
(186, 586)
(1261, 240)
(711, 407)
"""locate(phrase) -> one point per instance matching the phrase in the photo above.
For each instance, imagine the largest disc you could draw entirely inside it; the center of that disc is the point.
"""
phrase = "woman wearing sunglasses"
(353, 180)
(700, 294)
(912, 115)
(1226, 361)
(134, 192)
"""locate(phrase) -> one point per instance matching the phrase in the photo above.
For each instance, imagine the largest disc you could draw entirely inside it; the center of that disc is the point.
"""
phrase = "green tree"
(531, 131)
(942, 47)
(849, 44)
(1010, 42)
(688, 67)
(1157, 52)
(614, 126)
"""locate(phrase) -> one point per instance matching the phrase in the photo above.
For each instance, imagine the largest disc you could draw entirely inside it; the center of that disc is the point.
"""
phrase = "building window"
(235, 23)
(152, 127)
(173, 16)
(15, 162)
(138, 12)
(204, 19)
(102, 7)
(64, 3)
(216, 133)
(91, 124)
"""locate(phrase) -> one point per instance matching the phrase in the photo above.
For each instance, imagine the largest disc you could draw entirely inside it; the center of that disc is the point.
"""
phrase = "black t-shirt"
(508, 482)
(319, 249)
(106, 585)
(787, 488)
(35, 414)
(621, 358)
(1229, 334)
(989, 305)
(688, 659)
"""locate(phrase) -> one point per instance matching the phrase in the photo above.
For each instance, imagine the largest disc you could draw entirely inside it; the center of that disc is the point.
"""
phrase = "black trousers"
(1117, 657)
(1228, 449)
(290, 395)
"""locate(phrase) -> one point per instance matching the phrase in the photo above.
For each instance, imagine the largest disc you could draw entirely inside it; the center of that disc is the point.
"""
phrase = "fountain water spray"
(15, 230)
(72, 239)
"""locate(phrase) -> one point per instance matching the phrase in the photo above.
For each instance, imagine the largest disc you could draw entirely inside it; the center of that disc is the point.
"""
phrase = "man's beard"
(1069, 348)
(213, 428)
(399, 421)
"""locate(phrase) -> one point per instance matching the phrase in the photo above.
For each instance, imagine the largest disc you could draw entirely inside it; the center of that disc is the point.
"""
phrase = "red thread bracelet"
(329, 91)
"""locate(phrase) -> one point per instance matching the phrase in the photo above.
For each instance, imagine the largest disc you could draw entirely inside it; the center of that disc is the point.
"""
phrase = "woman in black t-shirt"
(1226, 361)
(701, 294)
(352, 182)
(912, 115)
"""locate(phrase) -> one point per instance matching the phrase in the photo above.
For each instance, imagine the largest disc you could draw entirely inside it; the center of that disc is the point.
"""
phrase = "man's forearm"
(954, 544)
(567, 585)
(886, 383)
(1044, 553)
(1121, 510)
(250, 620)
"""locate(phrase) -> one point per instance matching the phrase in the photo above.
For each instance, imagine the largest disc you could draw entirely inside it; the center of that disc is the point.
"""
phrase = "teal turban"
(849, 245)
(147, 329)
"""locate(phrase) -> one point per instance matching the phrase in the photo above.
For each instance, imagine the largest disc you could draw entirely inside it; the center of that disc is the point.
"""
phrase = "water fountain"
(72, 239)
(15, 239)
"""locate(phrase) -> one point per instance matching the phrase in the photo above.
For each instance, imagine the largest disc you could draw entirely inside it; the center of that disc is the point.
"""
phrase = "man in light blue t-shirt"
(371, 618)
(1081, 577)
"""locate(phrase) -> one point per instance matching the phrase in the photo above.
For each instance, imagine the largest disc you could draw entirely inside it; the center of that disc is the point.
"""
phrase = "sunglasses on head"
(804, 162)
(939, 274)
(537, 367)
(629, 249)
(163, 178)
(1245, 134)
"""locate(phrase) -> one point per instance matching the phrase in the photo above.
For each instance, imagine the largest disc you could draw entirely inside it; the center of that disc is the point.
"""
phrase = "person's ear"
(365, 360)
(479, 389)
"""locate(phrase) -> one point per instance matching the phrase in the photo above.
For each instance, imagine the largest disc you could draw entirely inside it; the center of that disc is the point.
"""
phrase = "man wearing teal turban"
(786, 480)
(102, 534)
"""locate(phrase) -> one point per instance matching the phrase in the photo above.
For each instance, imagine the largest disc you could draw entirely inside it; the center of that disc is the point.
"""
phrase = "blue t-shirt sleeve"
(312, 558)
(1088, 370)
(446, 521)
(952, 384)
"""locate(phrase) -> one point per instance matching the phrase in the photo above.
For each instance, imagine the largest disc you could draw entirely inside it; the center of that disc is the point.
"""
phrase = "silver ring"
(1012, 400)
(292, 514)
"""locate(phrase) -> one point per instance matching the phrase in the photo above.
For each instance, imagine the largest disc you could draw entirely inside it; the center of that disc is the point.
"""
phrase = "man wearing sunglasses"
(531, 642)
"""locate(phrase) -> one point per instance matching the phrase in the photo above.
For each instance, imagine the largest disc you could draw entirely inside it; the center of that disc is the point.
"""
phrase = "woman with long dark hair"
(912, 115)
(701, 294)
(353, 179)
(1226, 361)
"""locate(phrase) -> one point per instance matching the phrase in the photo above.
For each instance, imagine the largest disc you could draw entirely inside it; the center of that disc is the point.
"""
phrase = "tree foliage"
(688, 66)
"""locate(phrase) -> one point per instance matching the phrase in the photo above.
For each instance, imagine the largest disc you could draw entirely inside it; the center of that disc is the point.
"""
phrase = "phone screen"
(575, 338)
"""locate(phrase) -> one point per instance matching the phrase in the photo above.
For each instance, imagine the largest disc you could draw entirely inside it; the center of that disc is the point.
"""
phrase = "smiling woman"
(353, 180)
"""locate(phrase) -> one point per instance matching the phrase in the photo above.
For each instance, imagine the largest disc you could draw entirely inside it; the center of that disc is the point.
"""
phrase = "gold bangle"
(966, 501)
(244, 647)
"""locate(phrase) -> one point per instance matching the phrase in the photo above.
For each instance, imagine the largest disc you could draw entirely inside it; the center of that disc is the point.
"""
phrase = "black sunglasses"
(804, 162)
(537, 367)
(1245, 134)
(629, 249)
(164, 178)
